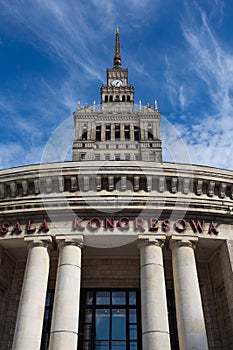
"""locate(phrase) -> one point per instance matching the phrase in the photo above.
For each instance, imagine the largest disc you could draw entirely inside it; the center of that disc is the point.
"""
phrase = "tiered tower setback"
(117, 130)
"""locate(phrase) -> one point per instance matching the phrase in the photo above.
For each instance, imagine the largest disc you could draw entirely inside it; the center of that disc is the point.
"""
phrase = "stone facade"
(116, 218)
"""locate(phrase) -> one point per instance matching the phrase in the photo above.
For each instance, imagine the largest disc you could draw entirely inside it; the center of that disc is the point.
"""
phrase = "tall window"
(117, 132)
(98, 133)
(108, 132)
(136, 133)
(127, 132)
(47, 320)
(110, 320)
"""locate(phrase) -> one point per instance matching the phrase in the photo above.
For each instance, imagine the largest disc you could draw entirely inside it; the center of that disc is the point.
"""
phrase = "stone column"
(190, 318)
(122, 132)
(131, 132)
(155, 328)
(112, 132)
(30, 316)
(64, 327)
(102, 132)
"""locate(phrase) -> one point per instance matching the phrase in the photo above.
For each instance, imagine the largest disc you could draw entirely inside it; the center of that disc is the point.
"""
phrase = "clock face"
(117, 83)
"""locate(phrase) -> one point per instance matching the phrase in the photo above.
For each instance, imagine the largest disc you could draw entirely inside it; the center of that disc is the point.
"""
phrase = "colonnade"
(65, 318)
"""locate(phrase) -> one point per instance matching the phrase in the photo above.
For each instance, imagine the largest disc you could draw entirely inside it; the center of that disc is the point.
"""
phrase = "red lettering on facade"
(213, 228)
(180, 225)
(30, 229)
(94, 223)
(198, 226)
(166, 225)
(123, 223)
(109, 223)
(77, 224)
(153, 224)
(44, 226)
(16, 228)
(139, 224)
(4, 228)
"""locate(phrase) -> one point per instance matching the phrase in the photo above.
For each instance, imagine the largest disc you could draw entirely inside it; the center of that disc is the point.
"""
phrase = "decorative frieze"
(211, 187)
(199, 187)
(153, 181)
(174, 181)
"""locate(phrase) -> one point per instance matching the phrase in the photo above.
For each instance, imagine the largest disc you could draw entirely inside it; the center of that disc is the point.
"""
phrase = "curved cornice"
(166, 185)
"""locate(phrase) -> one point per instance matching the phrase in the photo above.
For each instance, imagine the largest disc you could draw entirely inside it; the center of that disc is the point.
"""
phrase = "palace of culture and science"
(116, 249)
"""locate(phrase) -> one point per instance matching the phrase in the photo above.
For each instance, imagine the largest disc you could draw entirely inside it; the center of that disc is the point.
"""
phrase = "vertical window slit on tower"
(136, 133)
(117, 132)
(98, 133)
(108, 132)
(127, 132)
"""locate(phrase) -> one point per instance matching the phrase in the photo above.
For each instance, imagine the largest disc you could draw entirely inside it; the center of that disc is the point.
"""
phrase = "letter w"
(198, 227)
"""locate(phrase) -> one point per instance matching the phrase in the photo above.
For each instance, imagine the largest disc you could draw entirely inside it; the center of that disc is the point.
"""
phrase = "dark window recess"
(84, 134)
(150, 134)
(110, 98)
(82, 156)
(110, 320)
(108, 132)
(117, 98)
(98, 133)
(172, 320)
(123, 98)
(117, 132)
(47, 320)
(136, 133)
(106, 98)
(127, 132)
(128, 98)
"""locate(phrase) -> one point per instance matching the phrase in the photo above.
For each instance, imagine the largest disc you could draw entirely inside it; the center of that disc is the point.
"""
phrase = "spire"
(117, 56)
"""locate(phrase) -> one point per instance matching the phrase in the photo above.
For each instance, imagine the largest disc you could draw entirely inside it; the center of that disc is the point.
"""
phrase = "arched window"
(123, 98)
(128, 98)
(106, 98)
(110, 98)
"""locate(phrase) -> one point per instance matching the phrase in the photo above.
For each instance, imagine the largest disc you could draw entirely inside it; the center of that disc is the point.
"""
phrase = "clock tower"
(117, 94)
(117, 129)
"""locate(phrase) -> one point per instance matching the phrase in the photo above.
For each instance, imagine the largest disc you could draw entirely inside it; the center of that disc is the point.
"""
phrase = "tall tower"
(118, 129)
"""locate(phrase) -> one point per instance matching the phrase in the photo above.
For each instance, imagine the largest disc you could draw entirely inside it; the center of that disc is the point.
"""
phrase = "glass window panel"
(132, 298)
(119, 345)
(87, 331)
(102, 345)
(133, 346)
(132, 316)
(102, 324)
(88, 316)
(102, 298)
(133, 331)
(49, 299)
(118, 324)
(89, 298)
(118, 298)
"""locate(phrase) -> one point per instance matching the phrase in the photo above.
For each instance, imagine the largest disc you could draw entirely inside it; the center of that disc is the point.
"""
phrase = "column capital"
(76, 240)
(39, 241)
(148, 240)
(189, 242)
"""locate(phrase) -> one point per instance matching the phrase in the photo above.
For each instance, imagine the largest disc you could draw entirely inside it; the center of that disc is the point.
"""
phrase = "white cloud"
(208, 136)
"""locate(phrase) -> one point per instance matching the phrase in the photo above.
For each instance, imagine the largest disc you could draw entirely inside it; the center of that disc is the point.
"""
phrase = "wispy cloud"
(208, 136)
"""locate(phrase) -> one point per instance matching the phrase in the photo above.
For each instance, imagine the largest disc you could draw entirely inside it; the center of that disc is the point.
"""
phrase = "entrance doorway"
(110, 320)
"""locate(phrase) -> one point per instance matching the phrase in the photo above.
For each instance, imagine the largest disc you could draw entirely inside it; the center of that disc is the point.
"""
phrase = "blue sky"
(55, 52)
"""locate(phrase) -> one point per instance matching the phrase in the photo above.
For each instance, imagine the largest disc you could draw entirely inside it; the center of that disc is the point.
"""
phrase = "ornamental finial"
(117, 56)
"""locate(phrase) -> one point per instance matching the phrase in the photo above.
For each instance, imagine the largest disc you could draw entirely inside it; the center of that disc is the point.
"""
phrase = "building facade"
(116, 250)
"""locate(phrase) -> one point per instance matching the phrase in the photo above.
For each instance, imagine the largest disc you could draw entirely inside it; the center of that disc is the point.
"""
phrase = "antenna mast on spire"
(117, 56)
